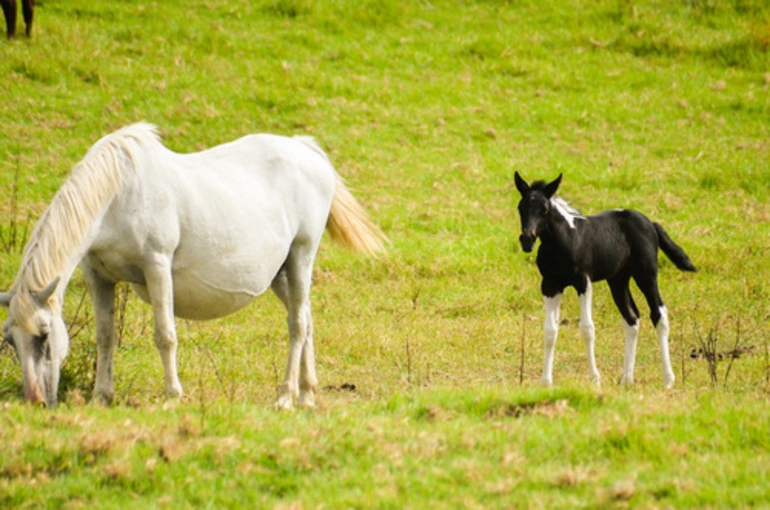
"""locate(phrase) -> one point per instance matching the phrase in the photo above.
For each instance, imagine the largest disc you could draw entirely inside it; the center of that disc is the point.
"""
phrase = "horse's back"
(226, 217)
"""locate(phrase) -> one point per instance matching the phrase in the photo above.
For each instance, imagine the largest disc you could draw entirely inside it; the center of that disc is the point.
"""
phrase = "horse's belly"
(197, 299)
(200, 303)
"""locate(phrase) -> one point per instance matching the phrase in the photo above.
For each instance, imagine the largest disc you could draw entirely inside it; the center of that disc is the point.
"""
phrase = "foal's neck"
(558, 231)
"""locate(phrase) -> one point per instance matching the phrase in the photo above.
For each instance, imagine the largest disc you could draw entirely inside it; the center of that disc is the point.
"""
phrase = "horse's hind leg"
(103, 297)
(648, 284)
(625, 303)
(292, 286)
(9, 10)
(28, 10)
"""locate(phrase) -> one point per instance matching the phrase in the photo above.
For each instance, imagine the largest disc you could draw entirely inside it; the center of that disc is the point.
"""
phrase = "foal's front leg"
(587, 331)
(550, 332)
(160, 289)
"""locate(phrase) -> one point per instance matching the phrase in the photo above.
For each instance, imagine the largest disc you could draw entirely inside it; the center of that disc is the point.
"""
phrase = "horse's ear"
(521, 184)
(551, 187)
(43, 296)
(5, 299)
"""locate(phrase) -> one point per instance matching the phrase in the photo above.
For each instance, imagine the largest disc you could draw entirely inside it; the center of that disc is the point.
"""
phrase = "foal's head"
(534, 208)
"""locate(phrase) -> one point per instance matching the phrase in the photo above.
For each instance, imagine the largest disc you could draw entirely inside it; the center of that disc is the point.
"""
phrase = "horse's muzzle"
(527, 240)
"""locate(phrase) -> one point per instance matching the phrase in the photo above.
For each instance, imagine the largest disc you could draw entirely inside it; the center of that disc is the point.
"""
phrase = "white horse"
(197, 235)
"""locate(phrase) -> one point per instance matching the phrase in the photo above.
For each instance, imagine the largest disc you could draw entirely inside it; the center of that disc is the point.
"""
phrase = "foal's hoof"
(546, 381)
(668, 381)
(627, 379)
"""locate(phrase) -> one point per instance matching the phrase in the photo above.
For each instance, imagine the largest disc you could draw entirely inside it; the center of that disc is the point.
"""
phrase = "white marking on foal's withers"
(197, 235)
(569, 213)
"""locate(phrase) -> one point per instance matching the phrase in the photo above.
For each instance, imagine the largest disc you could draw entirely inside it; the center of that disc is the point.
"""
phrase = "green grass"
(427, 109)
(453, 448)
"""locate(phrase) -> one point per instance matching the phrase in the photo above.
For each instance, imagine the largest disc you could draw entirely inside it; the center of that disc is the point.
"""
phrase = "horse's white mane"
(568, 212)
(62, 228)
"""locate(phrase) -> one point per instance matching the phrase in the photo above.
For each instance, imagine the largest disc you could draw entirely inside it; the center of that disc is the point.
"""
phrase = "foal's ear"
(551, 187)
(5, 299)
(521, 184)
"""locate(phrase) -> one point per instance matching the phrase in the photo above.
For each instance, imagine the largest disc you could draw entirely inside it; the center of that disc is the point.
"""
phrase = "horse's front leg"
(550, 332)
(160, 290)
(587, 330)
(103, 297)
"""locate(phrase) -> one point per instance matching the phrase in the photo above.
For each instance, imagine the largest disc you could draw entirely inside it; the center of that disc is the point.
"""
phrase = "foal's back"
(615, 241)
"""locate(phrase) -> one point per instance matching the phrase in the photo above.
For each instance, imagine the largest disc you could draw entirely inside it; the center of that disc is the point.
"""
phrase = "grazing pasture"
(429, 356)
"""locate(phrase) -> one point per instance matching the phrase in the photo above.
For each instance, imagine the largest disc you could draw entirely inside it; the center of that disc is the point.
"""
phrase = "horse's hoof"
(307, 400)
(174, 390)
(284, 403)
(102, 398)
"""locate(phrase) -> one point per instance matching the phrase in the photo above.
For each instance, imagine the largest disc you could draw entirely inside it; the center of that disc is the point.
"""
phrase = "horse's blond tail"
(350, 226)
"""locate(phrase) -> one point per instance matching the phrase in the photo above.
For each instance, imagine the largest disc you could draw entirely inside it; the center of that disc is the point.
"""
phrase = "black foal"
(577, 250)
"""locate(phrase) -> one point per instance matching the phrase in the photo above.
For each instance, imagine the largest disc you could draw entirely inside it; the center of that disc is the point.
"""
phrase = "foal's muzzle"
(527, 240)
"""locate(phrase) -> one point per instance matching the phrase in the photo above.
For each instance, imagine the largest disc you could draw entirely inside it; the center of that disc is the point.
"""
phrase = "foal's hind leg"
(648, 284)
(292, 286)
(625, 303)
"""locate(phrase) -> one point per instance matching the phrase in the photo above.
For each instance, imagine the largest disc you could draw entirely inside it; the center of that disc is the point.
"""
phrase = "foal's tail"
(673, 251)
(349, 224)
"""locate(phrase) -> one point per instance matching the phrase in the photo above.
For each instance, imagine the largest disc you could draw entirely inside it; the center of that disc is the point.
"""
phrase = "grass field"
(429, 355)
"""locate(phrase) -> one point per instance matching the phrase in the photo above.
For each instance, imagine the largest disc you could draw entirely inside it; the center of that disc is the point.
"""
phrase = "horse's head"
(534, 208)
(37, 332)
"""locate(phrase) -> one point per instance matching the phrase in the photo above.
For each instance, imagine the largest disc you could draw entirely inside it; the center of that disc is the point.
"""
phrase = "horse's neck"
(41, 262)
(558, 235)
